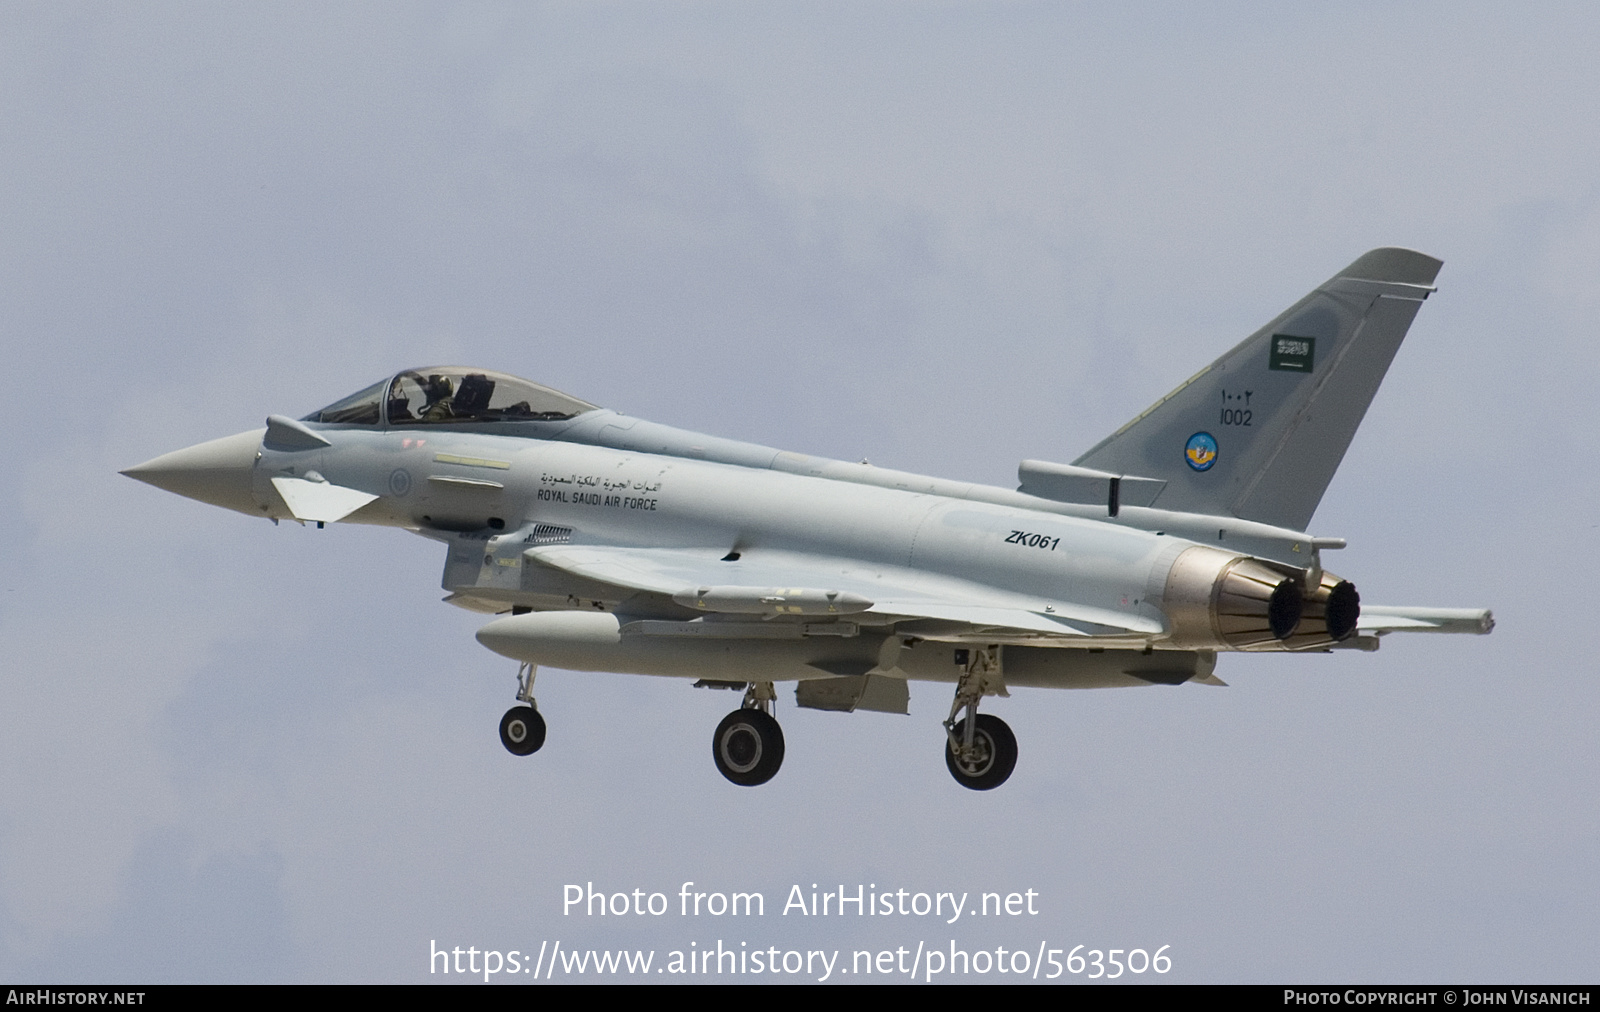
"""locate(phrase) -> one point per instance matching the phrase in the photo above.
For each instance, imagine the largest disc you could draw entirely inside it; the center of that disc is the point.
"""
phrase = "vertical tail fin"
(1259, 433)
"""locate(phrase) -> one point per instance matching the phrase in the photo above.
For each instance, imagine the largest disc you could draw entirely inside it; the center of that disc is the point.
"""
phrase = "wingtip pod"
(1395, 265)
(1382, 619)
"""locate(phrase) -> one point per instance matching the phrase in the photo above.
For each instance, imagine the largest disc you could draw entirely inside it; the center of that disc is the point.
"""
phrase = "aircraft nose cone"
(216, 472)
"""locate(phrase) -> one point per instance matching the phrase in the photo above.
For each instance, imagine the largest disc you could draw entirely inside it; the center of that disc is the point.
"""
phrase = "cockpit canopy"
(451, 395)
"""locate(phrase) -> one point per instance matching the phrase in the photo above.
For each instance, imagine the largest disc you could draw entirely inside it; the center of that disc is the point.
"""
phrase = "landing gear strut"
(748, 744)
(980, 749)
(522, 728)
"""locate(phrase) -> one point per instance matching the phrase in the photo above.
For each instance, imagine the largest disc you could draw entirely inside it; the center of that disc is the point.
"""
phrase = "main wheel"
(748, 747)
(522, 730)
(994, 754)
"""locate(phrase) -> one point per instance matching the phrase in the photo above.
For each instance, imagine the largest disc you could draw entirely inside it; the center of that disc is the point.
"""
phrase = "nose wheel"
(748, 744)
(522, 728)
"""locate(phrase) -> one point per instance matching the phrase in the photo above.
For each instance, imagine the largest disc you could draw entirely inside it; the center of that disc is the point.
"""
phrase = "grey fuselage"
(605, 479)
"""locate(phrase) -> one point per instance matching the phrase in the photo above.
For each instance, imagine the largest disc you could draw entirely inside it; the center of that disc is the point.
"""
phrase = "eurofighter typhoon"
(609, 543)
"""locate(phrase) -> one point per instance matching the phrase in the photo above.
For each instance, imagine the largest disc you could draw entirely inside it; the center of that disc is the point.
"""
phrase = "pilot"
(439, 391)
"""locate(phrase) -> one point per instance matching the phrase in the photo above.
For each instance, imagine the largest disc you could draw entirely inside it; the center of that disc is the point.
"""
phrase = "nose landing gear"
(522, 728)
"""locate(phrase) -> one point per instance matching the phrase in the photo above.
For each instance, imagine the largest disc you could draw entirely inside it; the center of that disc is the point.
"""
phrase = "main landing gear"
(522, 728)
(985, 757)
(748, 744)
(980, 749)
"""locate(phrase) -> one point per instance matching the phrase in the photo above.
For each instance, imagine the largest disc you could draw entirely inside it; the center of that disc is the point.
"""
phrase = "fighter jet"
(605, 542)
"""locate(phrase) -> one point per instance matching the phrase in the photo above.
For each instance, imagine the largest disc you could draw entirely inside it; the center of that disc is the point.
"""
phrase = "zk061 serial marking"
(1033, 540)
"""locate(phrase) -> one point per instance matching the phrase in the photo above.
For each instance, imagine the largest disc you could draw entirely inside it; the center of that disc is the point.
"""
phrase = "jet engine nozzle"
(1330, 616)
(1217, 599)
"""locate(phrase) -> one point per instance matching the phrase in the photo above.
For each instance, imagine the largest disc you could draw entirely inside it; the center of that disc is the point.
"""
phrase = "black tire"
(997, 754)
(522, 730)
(748, 747)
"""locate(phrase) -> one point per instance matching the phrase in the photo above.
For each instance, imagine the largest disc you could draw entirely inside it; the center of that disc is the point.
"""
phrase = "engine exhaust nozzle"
(1217, 599)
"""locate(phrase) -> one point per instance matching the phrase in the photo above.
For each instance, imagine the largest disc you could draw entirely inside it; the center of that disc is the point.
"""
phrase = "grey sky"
(941, 237)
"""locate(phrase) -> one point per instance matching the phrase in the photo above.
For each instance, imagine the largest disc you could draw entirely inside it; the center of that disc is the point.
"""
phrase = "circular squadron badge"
(1200, 451)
